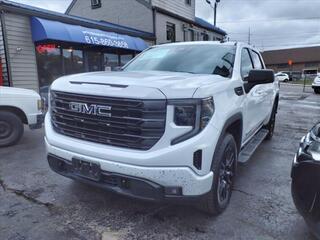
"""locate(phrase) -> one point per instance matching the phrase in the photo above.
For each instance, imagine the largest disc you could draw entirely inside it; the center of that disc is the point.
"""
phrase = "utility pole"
(215, 13)
(249, 37)
(214, 10)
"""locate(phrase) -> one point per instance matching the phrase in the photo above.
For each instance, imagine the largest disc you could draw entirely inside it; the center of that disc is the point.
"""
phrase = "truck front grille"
(129, 123)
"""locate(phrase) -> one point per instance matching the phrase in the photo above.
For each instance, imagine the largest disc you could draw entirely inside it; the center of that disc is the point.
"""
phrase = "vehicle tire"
(317, 90)
(271, 124)
(11, 128)
(286, 80)
(224, 168)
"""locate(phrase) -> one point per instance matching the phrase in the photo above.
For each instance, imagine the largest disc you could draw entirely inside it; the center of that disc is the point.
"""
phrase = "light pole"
(214, 10)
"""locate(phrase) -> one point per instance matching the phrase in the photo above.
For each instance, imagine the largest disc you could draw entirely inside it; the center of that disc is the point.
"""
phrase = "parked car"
(18, 107)
(306, 179)
(172, 125)
(282, 77)
(316, 84)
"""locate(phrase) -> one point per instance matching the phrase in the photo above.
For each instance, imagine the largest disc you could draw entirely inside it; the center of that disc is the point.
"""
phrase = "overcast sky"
(54, 5)
(272, 23)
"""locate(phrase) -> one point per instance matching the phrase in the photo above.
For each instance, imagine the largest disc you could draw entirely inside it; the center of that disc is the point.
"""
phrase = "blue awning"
(43, 29)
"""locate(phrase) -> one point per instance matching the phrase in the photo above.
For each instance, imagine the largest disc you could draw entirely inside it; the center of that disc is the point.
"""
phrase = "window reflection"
(125, 58)
(49, 63)
(111, 61)
(204, 59)
(73, 61)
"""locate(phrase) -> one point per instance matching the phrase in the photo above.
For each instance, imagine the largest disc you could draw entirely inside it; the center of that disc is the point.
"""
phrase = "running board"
(252, 146)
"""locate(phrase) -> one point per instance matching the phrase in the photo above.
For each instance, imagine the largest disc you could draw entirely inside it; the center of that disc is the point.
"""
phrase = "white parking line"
(302, 104)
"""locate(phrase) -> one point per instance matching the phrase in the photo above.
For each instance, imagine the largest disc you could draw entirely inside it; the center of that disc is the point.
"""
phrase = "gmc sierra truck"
(18, 107)
(172, 125)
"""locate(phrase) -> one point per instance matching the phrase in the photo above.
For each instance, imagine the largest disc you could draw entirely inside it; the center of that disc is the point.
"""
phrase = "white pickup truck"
(172, 125)
(17, 107)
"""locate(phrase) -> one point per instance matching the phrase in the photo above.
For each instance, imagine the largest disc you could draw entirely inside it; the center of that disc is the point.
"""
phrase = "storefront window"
(49, 63)
(111, 61)
(94, 61)
(124, 59)
(73, 61)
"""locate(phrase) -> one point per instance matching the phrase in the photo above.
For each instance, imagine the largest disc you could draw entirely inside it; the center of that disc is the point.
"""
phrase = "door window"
(256, 60)
(246, 63)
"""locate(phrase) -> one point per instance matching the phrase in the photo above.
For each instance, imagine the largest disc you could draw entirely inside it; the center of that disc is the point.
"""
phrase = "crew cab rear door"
(255, 111)
(266, 91)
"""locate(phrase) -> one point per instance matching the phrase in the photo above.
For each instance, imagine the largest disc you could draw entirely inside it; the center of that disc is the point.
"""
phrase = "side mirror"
(257, 77)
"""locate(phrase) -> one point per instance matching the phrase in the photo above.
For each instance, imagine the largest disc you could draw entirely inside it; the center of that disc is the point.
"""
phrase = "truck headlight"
(185, 115)
(192, 112)
(207, 110)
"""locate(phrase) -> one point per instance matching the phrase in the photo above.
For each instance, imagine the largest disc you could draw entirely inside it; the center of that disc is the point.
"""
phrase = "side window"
(246, 63)
(171, 32)
(256, 60)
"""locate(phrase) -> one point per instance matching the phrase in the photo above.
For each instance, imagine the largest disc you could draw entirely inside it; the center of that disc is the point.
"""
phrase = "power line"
(268, 34)
(269, 20)
(281, 45)
(273, 37)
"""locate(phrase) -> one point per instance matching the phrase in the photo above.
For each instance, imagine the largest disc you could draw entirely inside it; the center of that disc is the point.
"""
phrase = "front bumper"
(39, 122)
(190, 183)
(122, 184)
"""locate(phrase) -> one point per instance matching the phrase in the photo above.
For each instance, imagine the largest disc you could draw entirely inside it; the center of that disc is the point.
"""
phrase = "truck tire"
(271, 124)
(224, 168)
(11, 128)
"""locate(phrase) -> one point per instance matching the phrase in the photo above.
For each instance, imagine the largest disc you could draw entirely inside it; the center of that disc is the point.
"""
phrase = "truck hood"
(11, 92)
(145, 85)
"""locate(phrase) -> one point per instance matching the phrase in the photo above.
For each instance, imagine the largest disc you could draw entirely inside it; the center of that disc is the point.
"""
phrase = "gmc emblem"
(90, 109)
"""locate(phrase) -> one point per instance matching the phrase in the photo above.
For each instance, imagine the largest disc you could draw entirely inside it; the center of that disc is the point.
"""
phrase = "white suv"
(316, 84)
(282, 77)
(173, 124)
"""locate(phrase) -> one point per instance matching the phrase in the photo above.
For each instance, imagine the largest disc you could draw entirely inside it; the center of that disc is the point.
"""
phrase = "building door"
(94, 61)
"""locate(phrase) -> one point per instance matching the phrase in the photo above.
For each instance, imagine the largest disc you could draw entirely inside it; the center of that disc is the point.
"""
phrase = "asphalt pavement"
(36, 203)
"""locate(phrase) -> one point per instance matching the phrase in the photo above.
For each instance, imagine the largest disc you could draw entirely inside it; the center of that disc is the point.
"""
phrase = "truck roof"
(200, 43)
(228, 43)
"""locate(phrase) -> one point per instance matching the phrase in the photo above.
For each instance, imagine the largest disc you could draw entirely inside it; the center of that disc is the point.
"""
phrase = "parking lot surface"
(36, 203)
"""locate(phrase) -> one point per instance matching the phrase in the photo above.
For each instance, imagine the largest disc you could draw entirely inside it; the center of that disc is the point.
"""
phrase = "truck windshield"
(196, 59)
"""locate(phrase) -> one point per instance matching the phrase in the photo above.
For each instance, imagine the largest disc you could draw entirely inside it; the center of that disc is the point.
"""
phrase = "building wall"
(3, 58)
(178, 7)
(182, 33)
(129, 13)
(21, 52)
(161, 24)
(213, 36)
(296, 67)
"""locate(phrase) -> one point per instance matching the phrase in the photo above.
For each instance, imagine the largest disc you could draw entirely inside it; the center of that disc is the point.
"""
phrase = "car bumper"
(315, 85)
(305, 188)
(190, 183)
(129, 186)
(39, 122)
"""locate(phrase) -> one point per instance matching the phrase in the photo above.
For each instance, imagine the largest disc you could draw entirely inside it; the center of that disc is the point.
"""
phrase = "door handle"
(261, 92)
